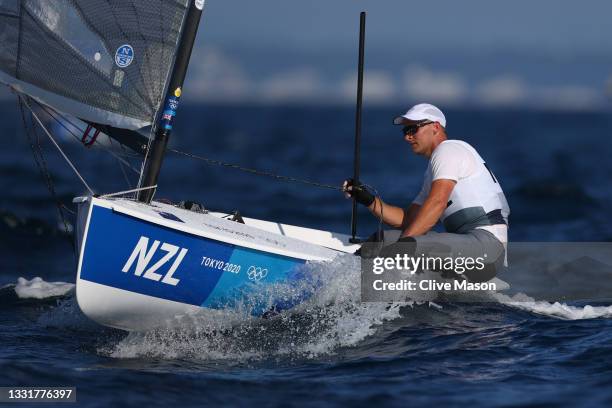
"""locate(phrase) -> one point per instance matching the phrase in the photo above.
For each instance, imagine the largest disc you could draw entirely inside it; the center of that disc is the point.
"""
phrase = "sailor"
(459, 189)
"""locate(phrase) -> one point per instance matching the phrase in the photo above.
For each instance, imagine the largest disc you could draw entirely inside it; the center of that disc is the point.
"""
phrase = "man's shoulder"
(452, 147)
(454, 159)
(456, 142)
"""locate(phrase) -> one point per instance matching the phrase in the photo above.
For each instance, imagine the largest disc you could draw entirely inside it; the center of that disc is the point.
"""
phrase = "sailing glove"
(358, 192)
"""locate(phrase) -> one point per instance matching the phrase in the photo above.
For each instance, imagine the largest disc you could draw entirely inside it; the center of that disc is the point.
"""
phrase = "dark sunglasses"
(412, 129)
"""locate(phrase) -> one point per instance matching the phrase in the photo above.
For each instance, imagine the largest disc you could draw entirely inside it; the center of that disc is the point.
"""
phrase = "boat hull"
(146, 266)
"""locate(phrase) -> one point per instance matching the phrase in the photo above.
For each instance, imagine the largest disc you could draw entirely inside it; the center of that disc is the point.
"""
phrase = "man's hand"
(358, 192)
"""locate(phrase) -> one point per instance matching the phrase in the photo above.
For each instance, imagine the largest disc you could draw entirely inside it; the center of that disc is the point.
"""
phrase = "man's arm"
(431, 210)
(410, 214)
(391, 215)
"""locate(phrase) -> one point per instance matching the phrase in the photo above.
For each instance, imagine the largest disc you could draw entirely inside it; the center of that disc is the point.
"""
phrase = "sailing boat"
(119, 67)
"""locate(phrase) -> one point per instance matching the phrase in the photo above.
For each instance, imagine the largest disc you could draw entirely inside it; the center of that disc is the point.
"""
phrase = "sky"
(547, 54)
(560, 25)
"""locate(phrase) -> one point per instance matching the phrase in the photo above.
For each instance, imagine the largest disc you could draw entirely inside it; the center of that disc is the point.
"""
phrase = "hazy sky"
(540, 53)
(546, 53)
(561, 25)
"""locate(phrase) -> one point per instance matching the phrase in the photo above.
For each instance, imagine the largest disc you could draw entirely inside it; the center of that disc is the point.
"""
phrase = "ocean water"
(333, 350)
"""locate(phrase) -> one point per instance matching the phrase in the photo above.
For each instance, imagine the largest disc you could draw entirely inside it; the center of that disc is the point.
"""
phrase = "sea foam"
(331, 318)
(554, 309)
(37, 288)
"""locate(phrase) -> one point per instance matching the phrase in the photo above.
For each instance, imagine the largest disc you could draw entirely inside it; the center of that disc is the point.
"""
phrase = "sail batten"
(104, 61)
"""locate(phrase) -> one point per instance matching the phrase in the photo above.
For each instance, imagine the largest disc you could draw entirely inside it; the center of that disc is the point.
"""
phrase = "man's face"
(420, 136)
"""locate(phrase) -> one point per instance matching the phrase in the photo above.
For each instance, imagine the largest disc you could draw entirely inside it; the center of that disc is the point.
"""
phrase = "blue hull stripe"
(138, 256)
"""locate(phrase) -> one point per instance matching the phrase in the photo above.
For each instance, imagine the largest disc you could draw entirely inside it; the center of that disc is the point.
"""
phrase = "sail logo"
(124, 56)
(143, 254)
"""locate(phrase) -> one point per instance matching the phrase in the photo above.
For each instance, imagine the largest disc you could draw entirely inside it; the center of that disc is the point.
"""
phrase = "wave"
(333, 317)
(54, 304)
(315, 332)
(37, 288)
(554, 309)
(34, 290)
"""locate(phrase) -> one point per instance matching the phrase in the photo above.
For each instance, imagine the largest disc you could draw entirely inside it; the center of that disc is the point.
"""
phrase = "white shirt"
(477, 190)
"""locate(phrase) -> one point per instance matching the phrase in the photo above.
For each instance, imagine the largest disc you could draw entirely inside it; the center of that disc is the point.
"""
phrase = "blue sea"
(555, 169)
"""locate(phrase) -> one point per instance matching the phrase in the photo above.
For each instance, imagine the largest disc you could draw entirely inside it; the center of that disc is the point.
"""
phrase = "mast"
(171, 100)
(356, 160)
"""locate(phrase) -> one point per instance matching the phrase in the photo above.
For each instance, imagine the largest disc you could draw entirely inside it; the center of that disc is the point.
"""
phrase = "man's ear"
(436, 127)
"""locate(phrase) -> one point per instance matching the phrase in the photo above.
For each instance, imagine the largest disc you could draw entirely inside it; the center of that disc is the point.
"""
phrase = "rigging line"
(37, 152)
(53, 114)
(125, 176)
(121, 166)
(115, 155)
(35, 116)
(146, 156)
(121, 160)
(382, 216)
(43, 168)
(255, 171)
(39, 158)
(64, 118)
(8, 15)
(134, 190)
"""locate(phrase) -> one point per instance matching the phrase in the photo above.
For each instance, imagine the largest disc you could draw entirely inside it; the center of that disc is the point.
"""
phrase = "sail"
(104, 61)
(134, 140)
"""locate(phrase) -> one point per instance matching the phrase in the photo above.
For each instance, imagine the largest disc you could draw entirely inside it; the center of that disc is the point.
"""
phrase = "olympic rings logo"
(256, 273)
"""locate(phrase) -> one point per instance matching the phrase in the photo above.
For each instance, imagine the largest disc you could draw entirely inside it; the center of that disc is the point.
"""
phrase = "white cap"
(422, 111)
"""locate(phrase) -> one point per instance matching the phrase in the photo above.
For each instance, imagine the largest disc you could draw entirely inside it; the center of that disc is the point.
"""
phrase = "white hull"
(116, 293)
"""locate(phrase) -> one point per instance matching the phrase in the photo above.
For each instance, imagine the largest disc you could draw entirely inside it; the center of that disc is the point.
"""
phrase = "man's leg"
(475, 245)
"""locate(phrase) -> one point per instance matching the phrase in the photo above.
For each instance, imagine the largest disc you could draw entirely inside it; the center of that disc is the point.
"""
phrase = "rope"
(144, 160)
(213, 162)
(35, 116)
(61, 123)
(382, 217)
(128, 191)
(39, 158)
(190, 155)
